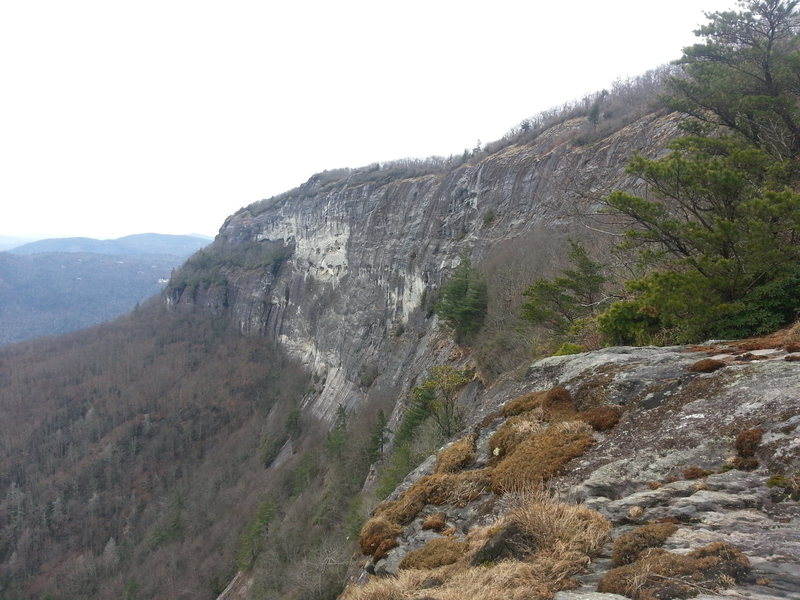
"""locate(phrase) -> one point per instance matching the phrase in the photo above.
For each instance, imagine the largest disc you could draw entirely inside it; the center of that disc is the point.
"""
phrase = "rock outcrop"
(712, 452)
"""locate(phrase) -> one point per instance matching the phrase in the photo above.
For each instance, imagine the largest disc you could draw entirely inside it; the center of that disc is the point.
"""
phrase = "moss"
(568, 348)
(784, 488)
(706, 365)
(628, 546)
(436, 553)
(663, 575)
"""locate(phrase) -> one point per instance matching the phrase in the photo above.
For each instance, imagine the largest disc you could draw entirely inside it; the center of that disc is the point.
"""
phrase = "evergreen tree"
(720, 216)
(557, 304)
(464, 297)
(745, 75)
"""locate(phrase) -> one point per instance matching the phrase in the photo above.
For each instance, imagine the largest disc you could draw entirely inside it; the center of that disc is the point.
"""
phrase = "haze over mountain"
(55, 286)
(131, 245)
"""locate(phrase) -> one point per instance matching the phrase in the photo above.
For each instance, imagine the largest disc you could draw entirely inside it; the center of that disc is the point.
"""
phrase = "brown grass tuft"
(456, 456)
(602, 418)
(748, 463)
(628, 546)
(694, 473)
(540, 457)
(516, 429)
(556, 403)
(436, 553)
(747, 442)
(706, 365)
(660, 574)
(435, 522)
(375, 533)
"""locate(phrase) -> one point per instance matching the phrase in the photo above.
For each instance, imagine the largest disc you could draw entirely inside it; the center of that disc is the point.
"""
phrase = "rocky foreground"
(648, 472)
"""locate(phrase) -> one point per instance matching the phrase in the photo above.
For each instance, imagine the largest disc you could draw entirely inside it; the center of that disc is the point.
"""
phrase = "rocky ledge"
(649, 472)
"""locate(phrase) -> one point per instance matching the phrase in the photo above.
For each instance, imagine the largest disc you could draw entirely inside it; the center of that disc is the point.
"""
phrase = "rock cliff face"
(367, 248)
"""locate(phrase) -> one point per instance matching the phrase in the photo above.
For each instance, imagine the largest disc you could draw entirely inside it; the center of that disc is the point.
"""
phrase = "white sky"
(167, 116)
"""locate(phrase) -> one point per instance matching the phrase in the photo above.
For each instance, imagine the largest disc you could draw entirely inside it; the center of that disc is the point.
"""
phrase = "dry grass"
(550, 524)
(658, 574)
(435, 522)
(412, 501)
(456, 456)
(694, 473)
(629, 546)
(747, 442)
(515, 430)
(376, 532)
(459, 489)
(556, 404)
(557, 541)
(706, 365)
(436, 553)
(541, 456)
(602, 418)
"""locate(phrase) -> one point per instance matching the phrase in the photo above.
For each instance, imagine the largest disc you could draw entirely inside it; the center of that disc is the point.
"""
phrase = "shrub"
(628, 546)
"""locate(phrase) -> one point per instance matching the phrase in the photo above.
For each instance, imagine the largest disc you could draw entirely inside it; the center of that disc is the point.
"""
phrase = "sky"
(167, 116)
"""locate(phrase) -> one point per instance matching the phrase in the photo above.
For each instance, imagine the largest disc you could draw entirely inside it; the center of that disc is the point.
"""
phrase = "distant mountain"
(55, 293)
(8, 241)
(55, 286)
(130, 245)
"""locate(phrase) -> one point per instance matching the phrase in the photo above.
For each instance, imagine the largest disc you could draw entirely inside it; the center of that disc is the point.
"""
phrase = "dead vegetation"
(706, 365)
(436, 553)
(602, 418)
(541, 456)
(660, 574)
(456, 456)
(629, 546)
(552, 542)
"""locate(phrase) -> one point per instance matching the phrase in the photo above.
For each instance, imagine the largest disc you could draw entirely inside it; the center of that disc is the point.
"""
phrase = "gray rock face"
(369, 246)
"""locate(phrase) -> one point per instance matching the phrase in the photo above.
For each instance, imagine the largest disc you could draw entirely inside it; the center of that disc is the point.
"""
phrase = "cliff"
(365, 250)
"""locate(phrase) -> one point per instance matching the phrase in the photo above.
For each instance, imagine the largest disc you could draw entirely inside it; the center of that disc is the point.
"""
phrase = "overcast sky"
(167, 116)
